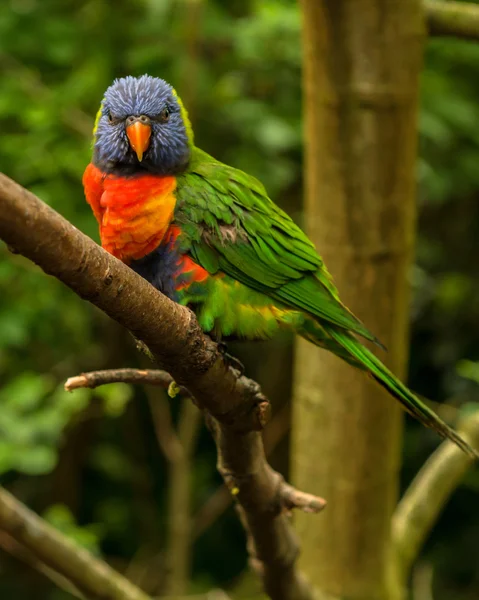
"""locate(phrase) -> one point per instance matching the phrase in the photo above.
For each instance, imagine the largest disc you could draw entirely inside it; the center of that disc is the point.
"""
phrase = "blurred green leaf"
(469, 370)
(115, 398)
(88, 536)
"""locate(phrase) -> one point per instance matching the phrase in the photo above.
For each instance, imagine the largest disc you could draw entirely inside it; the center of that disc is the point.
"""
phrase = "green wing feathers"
(369, 362)
(231, 228)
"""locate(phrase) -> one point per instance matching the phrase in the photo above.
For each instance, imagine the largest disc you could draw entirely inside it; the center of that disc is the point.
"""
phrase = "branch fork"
(286, 497)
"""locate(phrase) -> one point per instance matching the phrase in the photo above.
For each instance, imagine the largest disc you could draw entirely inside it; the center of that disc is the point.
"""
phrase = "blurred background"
(93, 462)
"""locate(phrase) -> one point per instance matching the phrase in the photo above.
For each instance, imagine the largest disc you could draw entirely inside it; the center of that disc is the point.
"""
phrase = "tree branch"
(166, 436)
(253, 483)
(95, 379)
(452, 19)
(91, 576)
(221, 499)
(175, 339)
(172, 444)
(420, 506)
(18, 551)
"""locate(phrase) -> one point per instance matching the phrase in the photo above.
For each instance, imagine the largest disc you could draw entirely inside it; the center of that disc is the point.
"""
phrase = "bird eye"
(165, 115)
(111, 118)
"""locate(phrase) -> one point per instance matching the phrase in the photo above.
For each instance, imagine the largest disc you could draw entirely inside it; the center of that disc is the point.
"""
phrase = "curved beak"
(139, 137)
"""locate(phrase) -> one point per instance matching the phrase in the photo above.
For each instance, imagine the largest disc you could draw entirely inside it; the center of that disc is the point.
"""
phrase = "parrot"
(208, 236)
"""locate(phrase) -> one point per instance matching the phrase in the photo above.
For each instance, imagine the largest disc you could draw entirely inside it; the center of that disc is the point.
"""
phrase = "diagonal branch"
(172, 334)
(89, 575)
(426, 496)
(19, 552)
(452, 19)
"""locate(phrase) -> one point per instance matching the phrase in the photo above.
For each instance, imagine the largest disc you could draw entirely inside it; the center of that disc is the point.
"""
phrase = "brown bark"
(362, 61)
(172, 334)
(221, 499)
(254, 484)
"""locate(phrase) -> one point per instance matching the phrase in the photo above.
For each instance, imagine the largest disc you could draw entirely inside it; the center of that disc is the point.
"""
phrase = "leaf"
(115, 398)
(88, 536)
(468, 369)
(35, 460)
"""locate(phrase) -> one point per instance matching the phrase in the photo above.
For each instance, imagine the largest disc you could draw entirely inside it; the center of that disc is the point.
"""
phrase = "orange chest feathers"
(134, 213)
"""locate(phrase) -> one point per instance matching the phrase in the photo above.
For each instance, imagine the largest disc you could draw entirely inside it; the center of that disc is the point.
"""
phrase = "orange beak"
(139, 137)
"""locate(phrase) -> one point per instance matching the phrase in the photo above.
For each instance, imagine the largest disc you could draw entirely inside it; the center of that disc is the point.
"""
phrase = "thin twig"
(211, 510)
(452, 19)
(238, 409)
(426, 496)
(146, 568)
(95, 379)
(90, 575)
(174, 446)
(179, 502)
(177, 448)
(291, 498)
(165, 433)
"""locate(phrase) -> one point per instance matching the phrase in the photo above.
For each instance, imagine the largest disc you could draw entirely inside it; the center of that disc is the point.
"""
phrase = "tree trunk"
(362, 63)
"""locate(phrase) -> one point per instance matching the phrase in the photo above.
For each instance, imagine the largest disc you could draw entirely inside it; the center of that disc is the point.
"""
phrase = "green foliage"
(115, 398)
(34, 415)
(61, 518)
(469, 369)
(237, 65)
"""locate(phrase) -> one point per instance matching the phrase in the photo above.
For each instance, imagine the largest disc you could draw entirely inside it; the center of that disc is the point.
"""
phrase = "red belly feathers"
(134, 214)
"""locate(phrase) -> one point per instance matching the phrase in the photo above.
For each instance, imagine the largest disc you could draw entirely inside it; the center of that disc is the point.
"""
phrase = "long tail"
(374, 367)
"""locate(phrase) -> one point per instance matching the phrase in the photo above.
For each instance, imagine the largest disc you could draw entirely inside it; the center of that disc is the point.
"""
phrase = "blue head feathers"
(151, 105)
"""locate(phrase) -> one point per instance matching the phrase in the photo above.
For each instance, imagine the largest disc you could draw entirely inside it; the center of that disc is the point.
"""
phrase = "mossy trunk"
(361, 71)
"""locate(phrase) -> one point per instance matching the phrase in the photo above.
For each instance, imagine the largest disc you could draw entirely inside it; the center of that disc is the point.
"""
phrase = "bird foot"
(230, 360)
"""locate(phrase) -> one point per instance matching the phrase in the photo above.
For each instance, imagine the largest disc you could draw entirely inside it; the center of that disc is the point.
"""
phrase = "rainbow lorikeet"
(208, 236)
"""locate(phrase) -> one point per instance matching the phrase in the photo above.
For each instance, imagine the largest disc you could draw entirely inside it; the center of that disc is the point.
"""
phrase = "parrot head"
(142, 126)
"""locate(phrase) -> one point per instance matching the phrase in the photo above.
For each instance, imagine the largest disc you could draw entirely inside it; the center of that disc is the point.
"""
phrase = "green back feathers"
(231, 225)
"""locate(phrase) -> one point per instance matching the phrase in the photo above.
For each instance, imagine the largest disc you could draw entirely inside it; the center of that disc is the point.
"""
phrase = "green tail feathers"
(370, 363)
